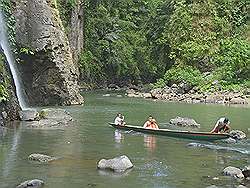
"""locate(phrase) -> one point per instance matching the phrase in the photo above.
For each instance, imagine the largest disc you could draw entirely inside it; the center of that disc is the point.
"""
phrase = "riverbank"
(178, 93)
(181, 93)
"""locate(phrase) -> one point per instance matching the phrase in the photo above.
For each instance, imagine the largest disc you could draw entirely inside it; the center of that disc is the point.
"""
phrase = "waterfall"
(12, 64)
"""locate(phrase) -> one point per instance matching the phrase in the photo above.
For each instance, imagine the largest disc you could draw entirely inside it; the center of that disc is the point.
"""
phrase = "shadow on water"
(114, 174)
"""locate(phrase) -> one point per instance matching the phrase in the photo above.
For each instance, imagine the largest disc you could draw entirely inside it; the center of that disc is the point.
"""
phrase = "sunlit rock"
(133, 95)
(236, 134)
(31, 184)
(117, 164)
(41, 158)
(241, 186)
(184, 122)
(106, 95)
(238, 100)
(29, 115)
(51, 118)
(147, 95)
(55, 113)
(156, 93)
(233, 171)
(212, 186)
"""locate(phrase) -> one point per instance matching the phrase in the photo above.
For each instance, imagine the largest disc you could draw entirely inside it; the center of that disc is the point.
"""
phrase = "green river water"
(158, 161)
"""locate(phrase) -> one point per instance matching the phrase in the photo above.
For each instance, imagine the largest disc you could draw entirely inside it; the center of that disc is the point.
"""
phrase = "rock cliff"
(75, 35)
(9, 106)
(49, 74)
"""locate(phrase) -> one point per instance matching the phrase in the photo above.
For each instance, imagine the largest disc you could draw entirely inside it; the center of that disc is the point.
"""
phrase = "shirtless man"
(150, 123)
(222, 125)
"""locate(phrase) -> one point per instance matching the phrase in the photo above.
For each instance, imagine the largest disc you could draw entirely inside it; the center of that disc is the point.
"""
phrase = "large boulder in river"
(246, 172)
(55, 113)
(29, 115)
(233, 171)
(184, 122)
(36, 183)
(41, 158)
(117, 164)
(51, 118)
(238, 135)
(50, 76)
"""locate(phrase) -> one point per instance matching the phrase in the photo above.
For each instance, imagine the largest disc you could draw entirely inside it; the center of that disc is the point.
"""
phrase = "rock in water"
(52, 118)
(31, 184)
(29, 115)
(238, 100)
(184, 122)
(236, 134)
(41, 157)
(212, 186)
(117, 164)
(55, 113)
(233, 171)
(246, 171)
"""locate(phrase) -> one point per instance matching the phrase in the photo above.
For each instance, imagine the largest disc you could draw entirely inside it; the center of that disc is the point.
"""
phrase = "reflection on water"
(11, 155)
(3, 131)
(150, 142)
(114, 174)
(118, 136)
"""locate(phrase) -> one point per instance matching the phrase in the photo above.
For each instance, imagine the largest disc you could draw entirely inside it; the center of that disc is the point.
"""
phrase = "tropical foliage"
(140, 41)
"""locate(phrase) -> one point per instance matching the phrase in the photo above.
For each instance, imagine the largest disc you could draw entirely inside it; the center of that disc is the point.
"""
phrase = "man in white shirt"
(222, 125)
(119, 120)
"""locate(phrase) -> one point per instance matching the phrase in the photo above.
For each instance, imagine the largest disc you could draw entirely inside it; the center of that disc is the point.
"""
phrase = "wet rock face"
(49, 74)
(8, 109)
(31, 184)
(76, 30)
(118, 164)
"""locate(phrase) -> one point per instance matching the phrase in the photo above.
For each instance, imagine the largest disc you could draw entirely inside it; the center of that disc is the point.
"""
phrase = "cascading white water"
(12, 64)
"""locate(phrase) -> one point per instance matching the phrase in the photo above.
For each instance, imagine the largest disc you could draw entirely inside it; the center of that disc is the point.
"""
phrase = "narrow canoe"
(176, 133)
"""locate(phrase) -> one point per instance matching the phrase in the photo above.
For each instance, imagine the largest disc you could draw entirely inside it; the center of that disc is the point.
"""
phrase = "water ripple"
(218, 147)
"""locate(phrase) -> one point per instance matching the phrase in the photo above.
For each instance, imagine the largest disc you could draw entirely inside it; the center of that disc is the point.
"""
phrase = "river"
(158, 161)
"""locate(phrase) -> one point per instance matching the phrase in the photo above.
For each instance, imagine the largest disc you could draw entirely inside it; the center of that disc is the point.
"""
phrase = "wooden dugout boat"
(175, 133)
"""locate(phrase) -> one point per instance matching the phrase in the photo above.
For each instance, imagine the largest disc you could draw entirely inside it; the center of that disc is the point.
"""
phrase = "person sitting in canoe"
(119, 120)
(222, 125)
(150, 123)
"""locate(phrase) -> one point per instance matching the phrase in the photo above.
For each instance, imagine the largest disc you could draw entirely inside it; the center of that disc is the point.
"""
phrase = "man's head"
(119, 115)
(150, 118)
(226, 121)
